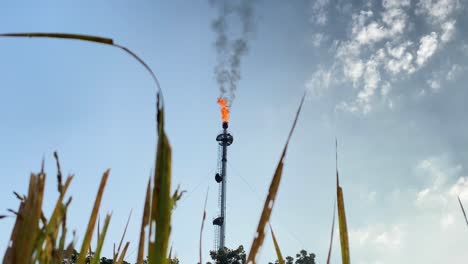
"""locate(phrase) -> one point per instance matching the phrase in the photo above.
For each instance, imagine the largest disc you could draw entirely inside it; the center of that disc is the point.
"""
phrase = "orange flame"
(224, 109)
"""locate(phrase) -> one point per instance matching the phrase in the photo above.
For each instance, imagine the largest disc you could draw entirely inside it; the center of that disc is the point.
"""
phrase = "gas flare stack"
(224, 140)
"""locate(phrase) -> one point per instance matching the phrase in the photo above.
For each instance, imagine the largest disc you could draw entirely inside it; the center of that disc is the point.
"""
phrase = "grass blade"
(331, 234)
(124, 252)
(342, 216)
(26, 229)
(201, 228)
(100, 243)
(277, 248)
(95, 39)
(61, 36)
(123, 236)
(162, 202)
(463, 210)
(270, 200)
(144, 223)
(92, 220)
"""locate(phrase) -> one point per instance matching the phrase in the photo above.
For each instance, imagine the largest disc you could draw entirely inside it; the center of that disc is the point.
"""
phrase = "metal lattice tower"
(224, 140)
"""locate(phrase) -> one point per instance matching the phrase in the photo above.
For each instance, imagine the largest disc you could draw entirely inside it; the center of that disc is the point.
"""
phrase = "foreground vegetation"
(37, 238)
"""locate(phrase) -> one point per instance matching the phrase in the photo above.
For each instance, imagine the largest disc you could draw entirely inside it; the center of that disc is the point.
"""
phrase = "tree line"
(222, 256)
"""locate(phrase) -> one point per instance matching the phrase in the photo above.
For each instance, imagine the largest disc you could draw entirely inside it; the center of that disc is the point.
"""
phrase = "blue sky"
(385, 77)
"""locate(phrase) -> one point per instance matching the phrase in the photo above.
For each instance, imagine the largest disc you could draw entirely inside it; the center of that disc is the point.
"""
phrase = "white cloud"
(319, 11)
(432, 223)
(447, 221)
(371, 81)
(391, 239)
(384, 47)
(378, 237)
(460, 189)
(386, 87)
(448, 30)
(438, 10)
(317, 39)
(427, 48)
(395, 3)
(434, 84)
(440, 78)
(401, 60)
(371, 33)
(353, 69)
(320, 81)
(453, 72)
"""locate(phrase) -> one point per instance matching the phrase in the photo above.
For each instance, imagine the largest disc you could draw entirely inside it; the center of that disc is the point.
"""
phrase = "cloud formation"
(387, 41)
(430, 222)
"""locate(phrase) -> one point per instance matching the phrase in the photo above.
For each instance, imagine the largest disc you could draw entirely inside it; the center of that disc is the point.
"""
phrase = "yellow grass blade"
(277, 248)
(342, 223)
(26, 229)
(123, 236)
(270, 200)
(92, 220)
(124, 252)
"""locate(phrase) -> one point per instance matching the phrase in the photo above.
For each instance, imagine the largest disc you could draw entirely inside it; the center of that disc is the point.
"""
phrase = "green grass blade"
(144, 223)
(162, 202)
(100, 242)
(272, 191)
(277, 248)
(92, 219)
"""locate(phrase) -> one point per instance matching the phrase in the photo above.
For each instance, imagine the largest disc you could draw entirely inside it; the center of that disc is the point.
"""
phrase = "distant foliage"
(301, 258)
(228, 256)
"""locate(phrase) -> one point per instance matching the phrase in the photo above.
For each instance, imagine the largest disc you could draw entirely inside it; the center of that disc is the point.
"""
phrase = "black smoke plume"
(231, 50)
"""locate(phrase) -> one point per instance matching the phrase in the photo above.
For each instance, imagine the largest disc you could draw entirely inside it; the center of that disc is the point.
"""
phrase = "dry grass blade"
(124, 252)
(61, 36)
(21, 198)
(463, 210)
(26, 229)
(270, 200)
(59, 173)
(201, 228)
(123, 235)
(92, 220)
(341, 215)
(170, 252)
(277, 248)
(96, 39)
(56, 219)
(331, 234)
(342, 223)
(144, 223)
